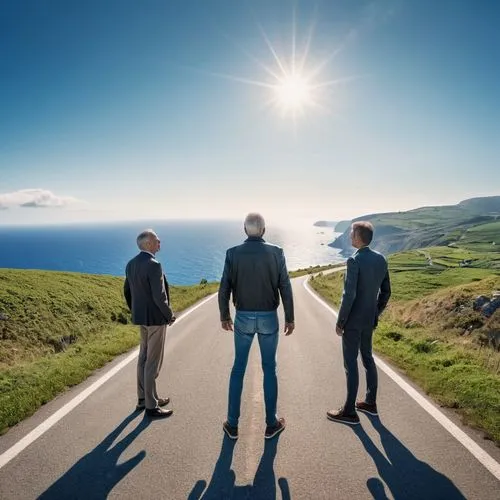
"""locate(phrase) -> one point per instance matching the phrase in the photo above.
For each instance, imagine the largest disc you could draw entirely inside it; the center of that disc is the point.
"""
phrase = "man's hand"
(339, 331)
(172, 321)
(289, 328)
(227, 325)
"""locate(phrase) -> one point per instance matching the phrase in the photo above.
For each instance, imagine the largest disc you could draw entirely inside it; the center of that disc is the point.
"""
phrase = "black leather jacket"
(256, 274)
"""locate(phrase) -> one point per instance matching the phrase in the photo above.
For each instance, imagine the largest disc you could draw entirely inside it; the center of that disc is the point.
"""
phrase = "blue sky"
(123, 110)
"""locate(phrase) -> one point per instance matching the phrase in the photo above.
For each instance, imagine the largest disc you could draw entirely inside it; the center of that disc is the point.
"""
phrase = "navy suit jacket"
(367, 289)
(146, 291)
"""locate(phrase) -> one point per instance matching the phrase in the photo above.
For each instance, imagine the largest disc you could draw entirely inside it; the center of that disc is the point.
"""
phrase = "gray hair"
(255, 224)
(144, 237)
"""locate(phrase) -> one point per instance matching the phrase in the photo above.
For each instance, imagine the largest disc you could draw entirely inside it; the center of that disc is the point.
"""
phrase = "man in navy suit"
(147, 295)
(367, 290)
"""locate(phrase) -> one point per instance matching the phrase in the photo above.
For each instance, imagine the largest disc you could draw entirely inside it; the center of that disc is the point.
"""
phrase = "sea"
(190, 250)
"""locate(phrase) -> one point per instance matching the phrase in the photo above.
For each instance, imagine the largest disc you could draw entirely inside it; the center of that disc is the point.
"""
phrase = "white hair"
(144, 237)
(254, 224)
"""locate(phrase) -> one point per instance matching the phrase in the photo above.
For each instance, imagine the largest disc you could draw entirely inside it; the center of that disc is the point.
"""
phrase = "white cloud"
(35, 198)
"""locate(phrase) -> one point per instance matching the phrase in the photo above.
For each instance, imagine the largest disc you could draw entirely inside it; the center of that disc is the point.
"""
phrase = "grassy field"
(416, 273)
(482, 238)
(57, 328)
(431, 332)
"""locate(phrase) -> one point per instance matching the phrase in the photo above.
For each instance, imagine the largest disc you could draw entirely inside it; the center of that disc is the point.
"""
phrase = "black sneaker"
(232, 432)
(274, 430)
(344, 418)
(367, 408)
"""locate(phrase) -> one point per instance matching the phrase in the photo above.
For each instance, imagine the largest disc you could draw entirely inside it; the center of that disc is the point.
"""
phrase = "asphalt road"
(102, 448)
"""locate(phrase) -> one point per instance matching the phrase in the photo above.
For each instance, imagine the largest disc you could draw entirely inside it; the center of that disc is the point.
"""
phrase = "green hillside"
(473, 224)
(485, 205)
(483, 237)
(57, 328)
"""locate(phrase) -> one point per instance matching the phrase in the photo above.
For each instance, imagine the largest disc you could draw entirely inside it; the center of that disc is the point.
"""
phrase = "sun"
(293, 93)
(294, 81)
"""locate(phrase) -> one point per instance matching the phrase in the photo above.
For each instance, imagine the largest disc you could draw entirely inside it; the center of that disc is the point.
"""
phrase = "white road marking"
(487, 460)
(41, 429)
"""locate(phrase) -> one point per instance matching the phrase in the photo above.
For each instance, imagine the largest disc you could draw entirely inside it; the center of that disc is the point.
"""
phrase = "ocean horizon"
(191, 250)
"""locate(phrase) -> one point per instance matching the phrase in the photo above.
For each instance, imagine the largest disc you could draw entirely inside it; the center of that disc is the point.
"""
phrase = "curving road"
(98, 447)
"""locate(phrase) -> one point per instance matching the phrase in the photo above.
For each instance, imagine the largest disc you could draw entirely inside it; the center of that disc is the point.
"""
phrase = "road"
(102, 448)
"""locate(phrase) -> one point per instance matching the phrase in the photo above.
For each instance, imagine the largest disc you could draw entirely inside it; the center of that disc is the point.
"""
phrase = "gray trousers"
(354, 341)
(149, 363)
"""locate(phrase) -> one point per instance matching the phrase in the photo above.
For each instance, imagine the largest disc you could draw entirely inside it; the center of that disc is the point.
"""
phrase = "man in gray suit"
(367, 290)
(147, 295)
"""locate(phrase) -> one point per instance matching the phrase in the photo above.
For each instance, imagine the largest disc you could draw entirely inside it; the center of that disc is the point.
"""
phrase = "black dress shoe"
(158, 412)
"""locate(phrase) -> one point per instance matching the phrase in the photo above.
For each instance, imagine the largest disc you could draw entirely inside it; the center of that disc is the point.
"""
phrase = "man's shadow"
(222, 485)
(96, 474)
(405, 475)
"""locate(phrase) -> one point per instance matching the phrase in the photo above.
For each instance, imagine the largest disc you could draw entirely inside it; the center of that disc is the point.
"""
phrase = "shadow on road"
(405, 475)
(96, 474)
(222, 485)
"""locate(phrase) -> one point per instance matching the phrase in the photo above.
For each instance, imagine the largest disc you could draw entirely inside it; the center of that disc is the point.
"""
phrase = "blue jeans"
(354, 341)
(246, 325)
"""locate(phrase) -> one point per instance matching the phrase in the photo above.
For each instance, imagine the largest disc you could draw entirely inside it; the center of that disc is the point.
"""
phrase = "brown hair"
(364, 230)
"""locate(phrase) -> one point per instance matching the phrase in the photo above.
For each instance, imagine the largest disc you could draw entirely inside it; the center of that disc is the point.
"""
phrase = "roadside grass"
(457, 376)
(57, 328)
(329, 286)
(426, 333)
(314, 269)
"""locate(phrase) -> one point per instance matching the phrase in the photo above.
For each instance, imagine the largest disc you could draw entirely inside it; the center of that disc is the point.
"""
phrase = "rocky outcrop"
(486, 305)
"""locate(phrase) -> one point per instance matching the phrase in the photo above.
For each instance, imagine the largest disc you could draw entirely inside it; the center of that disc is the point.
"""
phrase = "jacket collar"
(362, 249)
(255, 238)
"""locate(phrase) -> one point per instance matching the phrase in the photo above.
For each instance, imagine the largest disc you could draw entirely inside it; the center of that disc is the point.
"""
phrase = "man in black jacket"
(255, 273)
(367, 289)
(146, 293)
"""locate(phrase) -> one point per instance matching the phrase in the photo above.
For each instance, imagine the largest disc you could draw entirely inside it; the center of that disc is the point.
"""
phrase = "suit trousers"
(354, 341)
(149, 363)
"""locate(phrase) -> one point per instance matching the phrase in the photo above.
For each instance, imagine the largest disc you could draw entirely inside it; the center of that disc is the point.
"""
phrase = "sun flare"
(295, 82)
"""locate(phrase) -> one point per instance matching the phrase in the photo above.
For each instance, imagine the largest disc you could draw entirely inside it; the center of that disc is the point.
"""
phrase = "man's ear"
(264, 231)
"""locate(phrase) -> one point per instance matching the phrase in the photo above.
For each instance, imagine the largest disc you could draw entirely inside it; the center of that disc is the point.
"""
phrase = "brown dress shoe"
(343, 418)
(367, 408)
(274, 430)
